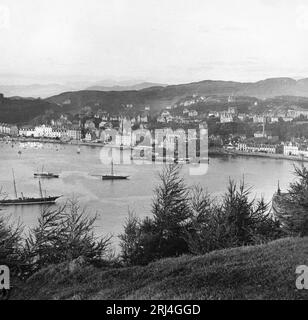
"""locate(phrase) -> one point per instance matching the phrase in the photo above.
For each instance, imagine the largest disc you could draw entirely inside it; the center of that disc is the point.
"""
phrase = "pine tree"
(171, 211)
(293, 207)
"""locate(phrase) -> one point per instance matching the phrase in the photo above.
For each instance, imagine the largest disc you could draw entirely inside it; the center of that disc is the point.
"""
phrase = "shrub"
(64, 234)
(10, 244)
(190, 221)
(164, 234)
(293, 206)
(236, 221)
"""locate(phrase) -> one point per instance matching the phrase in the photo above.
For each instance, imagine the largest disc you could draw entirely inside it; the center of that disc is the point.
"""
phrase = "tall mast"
(40, 186)
(112, 170)
(15, 188)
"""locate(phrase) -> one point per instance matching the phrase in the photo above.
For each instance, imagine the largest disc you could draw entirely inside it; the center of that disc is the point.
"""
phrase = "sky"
(166, 41)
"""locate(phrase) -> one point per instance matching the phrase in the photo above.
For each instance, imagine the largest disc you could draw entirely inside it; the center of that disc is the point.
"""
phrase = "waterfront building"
(291, 150)
(27, 131)
(7, 129)
(43, 131)
(263, 148)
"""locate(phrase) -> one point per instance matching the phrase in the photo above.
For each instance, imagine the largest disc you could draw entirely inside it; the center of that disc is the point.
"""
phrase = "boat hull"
(114, 178)
(46, 176)
(29, 201)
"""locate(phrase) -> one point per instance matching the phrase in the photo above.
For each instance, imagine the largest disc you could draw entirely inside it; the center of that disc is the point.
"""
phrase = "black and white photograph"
(153, 150)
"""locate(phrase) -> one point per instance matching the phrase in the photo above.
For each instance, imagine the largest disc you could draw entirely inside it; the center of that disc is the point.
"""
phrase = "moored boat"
(46, 175)
(113, 176)
(28, 200)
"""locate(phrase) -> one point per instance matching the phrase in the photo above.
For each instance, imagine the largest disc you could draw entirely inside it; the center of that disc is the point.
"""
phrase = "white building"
(5, 128)
(27, 132)
(125, 140)
(264, 148)
(193, 113)
(226, 117)
(43, 131)
(259, 119)
(291, 150)
(274, 119)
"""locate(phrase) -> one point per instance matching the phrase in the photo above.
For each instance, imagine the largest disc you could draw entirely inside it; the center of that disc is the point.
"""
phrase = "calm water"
(112, 200)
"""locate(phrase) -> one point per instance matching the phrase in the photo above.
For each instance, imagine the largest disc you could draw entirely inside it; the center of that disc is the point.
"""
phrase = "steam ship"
(45, 175)
(28, 200)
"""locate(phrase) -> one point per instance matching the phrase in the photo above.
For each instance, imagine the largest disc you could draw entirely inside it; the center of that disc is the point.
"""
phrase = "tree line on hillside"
(185, 220)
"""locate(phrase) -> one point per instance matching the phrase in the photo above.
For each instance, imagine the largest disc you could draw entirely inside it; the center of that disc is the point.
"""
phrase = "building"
(27, 131)
(274, 119)
(242, 116)
(74, 134)
(287, 119)
(260, 134)
(125, 140)
(43, 131)
(89, 137)
(263, 148)
(232, 110)
(226, 117)
(193, 113)
(5, 129)
(90, 125)
(291, 150)
(259, 119)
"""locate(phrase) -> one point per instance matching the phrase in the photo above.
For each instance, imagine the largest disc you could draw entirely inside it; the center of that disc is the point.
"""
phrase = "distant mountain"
(157, 97)
(47, 90)
(36, 90)
(160, 97)
(139, 86)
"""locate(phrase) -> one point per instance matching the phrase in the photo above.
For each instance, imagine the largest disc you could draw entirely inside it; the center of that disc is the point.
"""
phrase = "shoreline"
(72, 142)
(267, 155)
(211, 151)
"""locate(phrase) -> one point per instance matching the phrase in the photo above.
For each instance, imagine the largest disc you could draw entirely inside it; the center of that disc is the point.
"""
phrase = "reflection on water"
(111, 200)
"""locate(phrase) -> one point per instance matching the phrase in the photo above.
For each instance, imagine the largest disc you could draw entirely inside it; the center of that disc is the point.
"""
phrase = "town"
(273, 131)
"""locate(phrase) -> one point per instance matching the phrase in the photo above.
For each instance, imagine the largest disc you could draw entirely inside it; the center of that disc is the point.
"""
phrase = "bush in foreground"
(189, 221)
(64, 234)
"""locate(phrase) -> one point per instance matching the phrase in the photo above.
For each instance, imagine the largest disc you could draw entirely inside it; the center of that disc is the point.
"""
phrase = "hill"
(259, 272)
(22, 110)
(139, 86)
(160, 97)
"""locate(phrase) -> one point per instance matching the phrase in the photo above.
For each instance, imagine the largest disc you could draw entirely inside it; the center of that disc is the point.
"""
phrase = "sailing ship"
(28, 200)
(113, 176)
(45, 175)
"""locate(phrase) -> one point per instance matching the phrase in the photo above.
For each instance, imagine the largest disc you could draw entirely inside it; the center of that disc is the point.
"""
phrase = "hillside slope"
(160, 97)
(20, 110)
(260, 272)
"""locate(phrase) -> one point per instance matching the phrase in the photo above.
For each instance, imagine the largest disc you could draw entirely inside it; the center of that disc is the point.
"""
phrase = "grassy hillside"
(261, 272)
(21, 111)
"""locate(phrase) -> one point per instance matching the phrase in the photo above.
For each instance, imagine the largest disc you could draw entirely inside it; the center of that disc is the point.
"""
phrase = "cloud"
(302, 17)
(5, 17)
